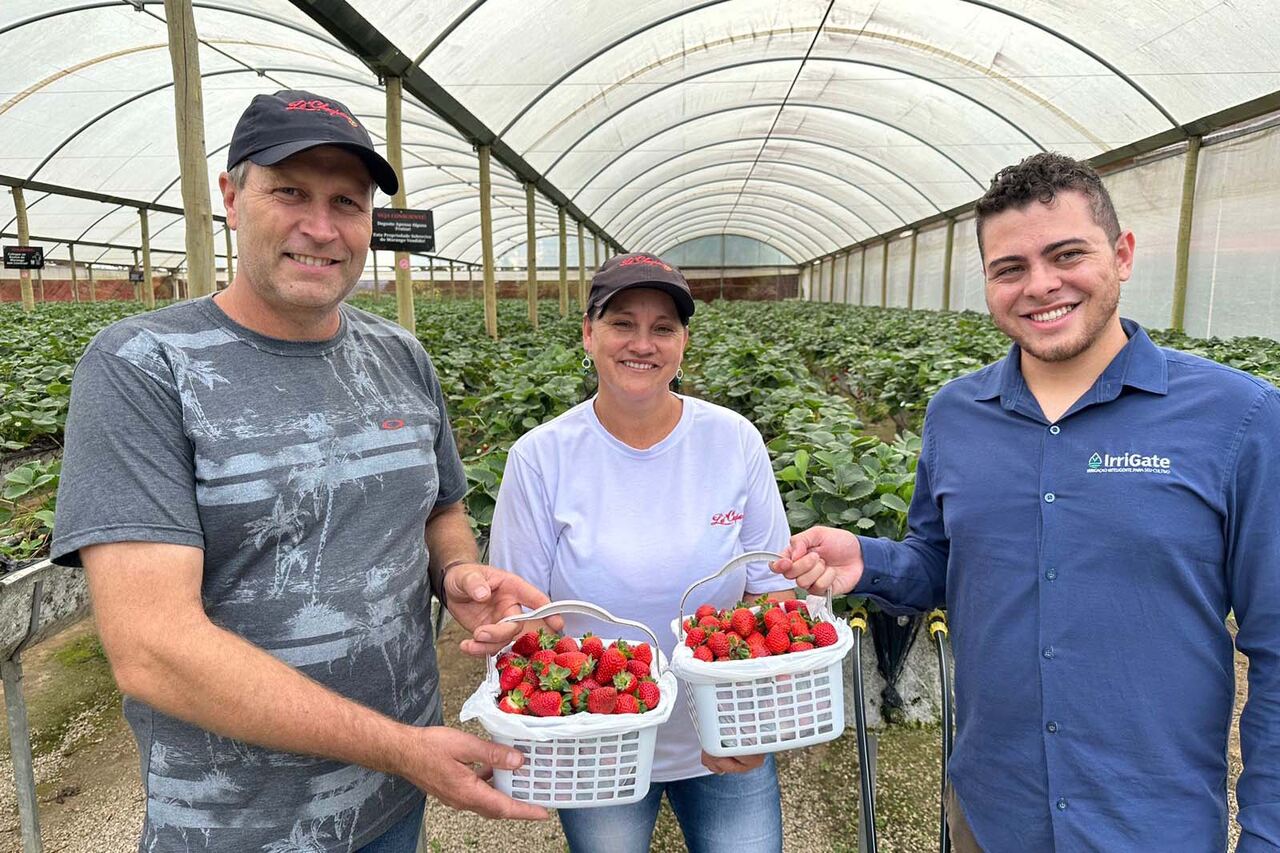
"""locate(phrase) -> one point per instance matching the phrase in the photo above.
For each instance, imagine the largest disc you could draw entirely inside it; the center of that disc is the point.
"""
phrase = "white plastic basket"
(767, 704)
(583, 760)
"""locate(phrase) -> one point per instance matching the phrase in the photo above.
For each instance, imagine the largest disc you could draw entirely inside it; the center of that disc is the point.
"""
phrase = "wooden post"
(137, 285)
(377, 287)
(946, 269)
(40, 283)
(564, 264)
(471, 291)
(431, 277)
(582, 271)
(862, 279)
(404, 283)
(831, 280)
(1185, 215)
(453, 284)
(884, 276)
(148, 285)
(486, 243)
(24, 239)
(595, 247)
(189, 114)
(231, 269)
(93, 288)
(531, 255)
(75, 281)
(911, 276)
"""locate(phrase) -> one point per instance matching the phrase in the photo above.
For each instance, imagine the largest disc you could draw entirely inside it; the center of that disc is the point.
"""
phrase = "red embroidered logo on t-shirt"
(725, 519)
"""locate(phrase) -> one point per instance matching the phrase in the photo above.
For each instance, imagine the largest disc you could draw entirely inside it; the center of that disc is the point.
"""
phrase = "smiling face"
(302, 230)
(638, 344)
(1053, 277)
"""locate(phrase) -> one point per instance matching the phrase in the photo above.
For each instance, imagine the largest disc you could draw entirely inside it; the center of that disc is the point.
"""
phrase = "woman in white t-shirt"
(627, 499)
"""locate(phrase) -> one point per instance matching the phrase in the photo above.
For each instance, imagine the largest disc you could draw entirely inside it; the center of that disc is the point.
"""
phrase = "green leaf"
(893, 502)
(802, 462)
(801, 516)
(866, 523)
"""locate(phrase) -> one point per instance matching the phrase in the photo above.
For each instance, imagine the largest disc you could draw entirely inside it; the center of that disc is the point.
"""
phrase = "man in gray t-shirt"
(265, 492)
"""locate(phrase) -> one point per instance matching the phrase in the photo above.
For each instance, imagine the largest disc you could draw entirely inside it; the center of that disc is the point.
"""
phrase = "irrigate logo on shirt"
(1128, 463)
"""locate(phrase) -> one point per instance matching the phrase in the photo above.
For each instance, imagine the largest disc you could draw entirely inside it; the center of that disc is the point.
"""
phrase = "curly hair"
(1041, 177)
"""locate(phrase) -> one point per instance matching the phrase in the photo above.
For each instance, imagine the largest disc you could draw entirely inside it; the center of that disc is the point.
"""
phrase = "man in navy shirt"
(1089, 510)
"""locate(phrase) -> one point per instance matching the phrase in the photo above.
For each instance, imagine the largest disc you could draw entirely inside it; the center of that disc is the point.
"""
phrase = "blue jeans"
(733, 813)
(400, 837)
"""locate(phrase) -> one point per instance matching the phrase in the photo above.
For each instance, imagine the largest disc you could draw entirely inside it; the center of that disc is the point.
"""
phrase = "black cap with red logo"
(639, 270)
(275, 127)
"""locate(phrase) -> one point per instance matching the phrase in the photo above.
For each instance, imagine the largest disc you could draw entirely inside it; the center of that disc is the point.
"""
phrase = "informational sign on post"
(403, 230)
(135, 274)
(24, 257)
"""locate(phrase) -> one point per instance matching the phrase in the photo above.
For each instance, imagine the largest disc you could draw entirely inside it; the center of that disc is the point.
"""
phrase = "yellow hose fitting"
(858, 619)
(938, 622)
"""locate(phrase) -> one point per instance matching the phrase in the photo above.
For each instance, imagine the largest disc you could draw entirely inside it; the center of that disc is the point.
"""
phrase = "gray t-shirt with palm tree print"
(306, 472)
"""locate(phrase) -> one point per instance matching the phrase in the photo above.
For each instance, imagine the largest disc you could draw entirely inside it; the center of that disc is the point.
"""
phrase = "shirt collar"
(1141, 364)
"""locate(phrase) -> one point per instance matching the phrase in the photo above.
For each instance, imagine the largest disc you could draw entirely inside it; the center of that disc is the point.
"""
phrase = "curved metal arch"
(777, 181)
(514, 241)
(774, 138)
(795, 238)
(759, 237)
(750, 62)
(225, 71)
(514, 188)
(667, 207)
(503, 231)
(443, 131)
(806, 237)
(447, 31)
(763, 104)
(771, 163)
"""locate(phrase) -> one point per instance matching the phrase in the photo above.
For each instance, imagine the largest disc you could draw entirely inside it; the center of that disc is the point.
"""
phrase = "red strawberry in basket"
(544, 657)
(512, 703)
(648, 693)
(718, 642)
(778, 640)
(824, 634)
(743, 622)
(627, 704)
(578, 697)
(705, 610)
(602, 700)
(626, 682)
(505, 659)
(703, 653)
(638, 668)
(642, 653)
(801, 646)
(775, 616)
(760, 650)
(794, 604)
(611, 663)
(695, 638)
(548, 703)
(799, 625)
(511, 676)
(578, 664)
(592, 645)
(526, 687)
(526, 644)
(566, 644)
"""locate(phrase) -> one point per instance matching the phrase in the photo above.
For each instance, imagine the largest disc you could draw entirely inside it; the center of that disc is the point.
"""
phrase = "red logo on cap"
(646, 260)
(321, 107)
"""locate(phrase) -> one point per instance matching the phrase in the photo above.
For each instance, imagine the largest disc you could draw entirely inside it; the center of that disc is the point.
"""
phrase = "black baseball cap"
(639, 270)
(277, 126)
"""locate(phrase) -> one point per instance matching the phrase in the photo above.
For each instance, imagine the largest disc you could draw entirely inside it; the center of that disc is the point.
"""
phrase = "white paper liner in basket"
(720, 735)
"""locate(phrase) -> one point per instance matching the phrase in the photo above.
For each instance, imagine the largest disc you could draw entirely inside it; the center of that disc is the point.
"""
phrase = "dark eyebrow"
(1047, 250)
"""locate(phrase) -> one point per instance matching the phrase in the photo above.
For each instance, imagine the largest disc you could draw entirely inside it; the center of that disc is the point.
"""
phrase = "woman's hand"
(734, 764)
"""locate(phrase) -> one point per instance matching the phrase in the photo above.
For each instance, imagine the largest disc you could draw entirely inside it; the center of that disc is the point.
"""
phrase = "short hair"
(239, 173)
(1041, 177)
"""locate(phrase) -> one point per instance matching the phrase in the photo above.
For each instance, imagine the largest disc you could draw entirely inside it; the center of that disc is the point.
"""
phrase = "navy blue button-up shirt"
(1088, 567)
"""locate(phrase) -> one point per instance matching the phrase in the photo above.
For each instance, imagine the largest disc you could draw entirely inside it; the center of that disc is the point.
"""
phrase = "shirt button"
(1051, 574)
(1055, 429)
(1049, 497)
(1048, 652)
(1062, 804)
(1051, 727)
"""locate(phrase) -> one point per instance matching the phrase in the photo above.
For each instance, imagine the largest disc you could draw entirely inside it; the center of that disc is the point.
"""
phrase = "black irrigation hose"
(858, 621)
(938, 628)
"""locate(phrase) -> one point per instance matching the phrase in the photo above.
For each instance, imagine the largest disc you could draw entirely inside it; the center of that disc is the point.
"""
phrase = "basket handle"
(582, 608)
(736, 563)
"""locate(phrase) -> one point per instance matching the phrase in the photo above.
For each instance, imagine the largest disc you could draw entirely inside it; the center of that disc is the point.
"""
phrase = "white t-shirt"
(582, 515)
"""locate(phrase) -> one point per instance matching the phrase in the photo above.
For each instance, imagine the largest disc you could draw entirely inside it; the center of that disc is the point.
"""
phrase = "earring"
(586, 364)
(679, 373)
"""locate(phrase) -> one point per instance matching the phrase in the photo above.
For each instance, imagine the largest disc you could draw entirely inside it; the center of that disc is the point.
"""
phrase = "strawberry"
(690, 623)
(533, 672)
(703, 653)
(648, 693)
(695, 638)
(526, 644)
(592, 645)
(589, 683)
(743, 622)
(555, 678)
(624, 647)
(705, 610)
(544, 657)
(578, 664)
(578, 697)
(778, 640)
(726, 622)
(510, 677)
(611, 663)
(760, 651)
(548, 703)
(602, 700)
(566, 644)
(642, 652)
(626, 682)
(799, 624)
(801, 646)
(719, 643)
(527, 688)
(824, 634)
(638, 668)
(512, 703)
(506, 659)
(775, 616)
(794, 604)
(627, 704)
(709, 623)
(755, 639)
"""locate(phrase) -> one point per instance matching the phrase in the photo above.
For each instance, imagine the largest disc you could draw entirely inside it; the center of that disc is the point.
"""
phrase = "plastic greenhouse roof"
(807, 125)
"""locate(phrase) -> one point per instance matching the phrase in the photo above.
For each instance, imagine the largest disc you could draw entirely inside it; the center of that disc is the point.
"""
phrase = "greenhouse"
(637, 264)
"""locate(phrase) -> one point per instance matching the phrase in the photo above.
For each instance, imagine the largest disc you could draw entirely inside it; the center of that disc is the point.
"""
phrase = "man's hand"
(480, 596)
(821, 559)
(731, 764)
(440, 760)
